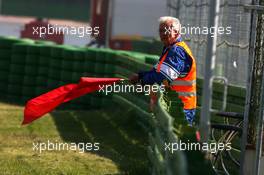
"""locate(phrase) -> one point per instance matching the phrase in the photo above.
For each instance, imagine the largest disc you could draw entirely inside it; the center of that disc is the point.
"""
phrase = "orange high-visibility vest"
(184, 86)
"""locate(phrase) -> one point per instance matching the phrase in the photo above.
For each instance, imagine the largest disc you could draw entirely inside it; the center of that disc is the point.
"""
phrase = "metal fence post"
(209, 69)
(245, 152)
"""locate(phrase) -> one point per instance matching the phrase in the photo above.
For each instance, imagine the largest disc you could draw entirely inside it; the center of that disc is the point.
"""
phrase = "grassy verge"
(122, 143)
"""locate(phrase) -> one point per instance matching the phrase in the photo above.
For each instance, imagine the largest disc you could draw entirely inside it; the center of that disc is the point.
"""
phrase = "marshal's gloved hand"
(134, 79)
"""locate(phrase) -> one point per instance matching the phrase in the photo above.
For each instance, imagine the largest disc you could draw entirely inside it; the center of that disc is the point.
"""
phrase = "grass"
(122, 143)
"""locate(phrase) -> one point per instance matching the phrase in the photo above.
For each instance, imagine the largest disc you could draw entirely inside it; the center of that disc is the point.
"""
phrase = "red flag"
(37, 107)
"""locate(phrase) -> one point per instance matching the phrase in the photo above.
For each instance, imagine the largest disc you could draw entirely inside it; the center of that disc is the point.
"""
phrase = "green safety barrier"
(5, 53)
(18, 59)
(90, 54)
(79, 61)
(14, 89)
(4, 64)
(16, 79)
(142, 45)
(29, 80)
(31, 70)
(52, 83)
(32, 59)
(8, 42)
(45, 42)
(41, 81)
(3, 76)
(21, 48)
(145, 45)
(43, 71)
(100, 56)
(152, 59)
(17, 69)
(28, 91)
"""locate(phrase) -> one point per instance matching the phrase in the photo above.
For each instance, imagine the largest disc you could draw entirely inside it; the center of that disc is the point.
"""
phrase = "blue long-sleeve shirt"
(176, 64)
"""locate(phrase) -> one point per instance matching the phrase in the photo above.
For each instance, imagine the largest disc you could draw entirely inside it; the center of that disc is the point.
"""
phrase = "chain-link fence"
(233, 35)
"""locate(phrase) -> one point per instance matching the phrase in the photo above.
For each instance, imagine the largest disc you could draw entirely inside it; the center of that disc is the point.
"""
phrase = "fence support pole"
(249, 160)
(209, 70)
